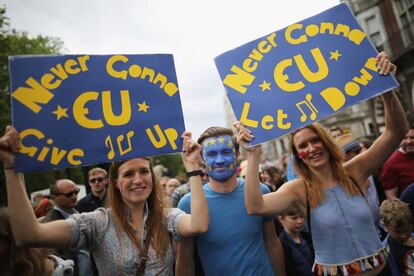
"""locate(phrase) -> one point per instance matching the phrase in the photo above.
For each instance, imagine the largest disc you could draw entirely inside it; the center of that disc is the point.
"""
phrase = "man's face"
(98, 182)
(219, 154)
(67, 195)
(172, 184)
(336, 133)
(407, 144)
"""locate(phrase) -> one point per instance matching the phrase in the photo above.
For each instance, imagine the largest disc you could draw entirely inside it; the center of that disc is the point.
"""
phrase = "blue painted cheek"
(227, 166)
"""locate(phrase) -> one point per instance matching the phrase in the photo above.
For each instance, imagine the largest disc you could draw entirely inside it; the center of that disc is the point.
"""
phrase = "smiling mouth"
(138, 190)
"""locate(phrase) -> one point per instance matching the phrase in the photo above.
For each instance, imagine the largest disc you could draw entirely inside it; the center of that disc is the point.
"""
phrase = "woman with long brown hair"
(341, 223)
(131, 236)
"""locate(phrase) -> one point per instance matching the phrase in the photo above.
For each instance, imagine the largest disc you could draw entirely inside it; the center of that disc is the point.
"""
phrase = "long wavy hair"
(23, 261)
(156, 222)
(336, 159)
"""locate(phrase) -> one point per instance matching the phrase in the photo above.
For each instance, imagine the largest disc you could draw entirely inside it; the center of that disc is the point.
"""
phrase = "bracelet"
(9, 168)
(194, 173)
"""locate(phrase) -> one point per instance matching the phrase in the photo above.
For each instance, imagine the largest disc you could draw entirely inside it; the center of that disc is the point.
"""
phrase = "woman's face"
(310, 148)
(266, 177)
(135, 181)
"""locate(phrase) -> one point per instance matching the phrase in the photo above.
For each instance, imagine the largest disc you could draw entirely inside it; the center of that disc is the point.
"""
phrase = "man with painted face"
(235, 243)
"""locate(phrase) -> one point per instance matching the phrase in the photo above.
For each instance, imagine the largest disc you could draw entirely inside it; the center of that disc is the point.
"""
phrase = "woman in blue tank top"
(341, 224)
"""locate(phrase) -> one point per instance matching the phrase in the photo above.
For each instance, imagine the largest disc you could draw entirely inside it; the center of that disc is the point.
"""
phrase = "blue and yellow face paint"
(219, 154)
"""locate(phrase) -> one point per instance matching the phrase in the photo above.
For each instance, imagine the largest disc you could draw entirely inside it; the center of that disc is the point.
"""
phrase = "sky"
(195, 32)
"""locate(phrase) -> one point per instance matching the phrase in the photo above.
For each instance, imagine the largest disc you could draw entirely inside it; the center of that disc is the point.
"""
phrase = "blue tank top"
(343, 229)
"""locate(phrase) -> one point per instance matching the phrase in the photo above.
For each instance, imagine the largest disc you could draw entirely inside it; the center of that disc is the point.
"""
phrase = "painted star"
(60, 112)
(143, 107)
(265, 86)
(220, 140)
(335, 55)
(230, 143)
(212, 142)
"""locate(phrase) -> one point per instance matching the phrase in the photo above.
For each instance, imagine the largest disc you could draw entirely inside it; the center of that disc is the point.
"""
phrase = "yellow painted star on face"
(265, 86)
(60, 112)
(220, 140)
(335, 55)
(230, 143)
(143, 107)
(212, 142)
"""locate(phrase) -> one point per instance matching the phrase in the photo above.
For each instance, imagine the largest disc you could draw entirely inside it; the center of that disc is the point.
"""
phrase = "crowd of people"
(334, 205)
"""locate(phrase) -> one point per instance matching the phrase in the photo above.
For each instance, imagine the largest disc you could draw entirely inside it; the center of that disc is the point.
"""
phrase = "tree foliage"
(12, 43)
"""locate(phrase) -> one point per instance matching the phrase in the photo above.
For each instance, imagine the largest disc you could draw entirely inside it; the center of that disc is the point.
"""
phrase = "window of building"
(406, 15)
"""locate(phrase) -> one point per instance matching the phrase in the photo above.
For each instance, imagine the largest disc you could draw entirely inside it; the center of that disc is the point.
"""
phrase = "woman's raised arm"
(27, 231)
(256, 202)
(198, 221)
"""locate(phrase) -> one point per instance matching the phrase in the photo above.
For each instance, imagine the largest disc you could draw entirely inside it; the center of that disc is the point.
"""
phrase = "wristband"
(194, 173)
(9, 168)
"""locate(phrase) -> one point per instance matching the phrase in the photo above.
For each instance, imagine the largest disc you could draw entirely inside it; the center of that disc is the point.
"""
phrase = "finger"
(393, 69)
(389, 68)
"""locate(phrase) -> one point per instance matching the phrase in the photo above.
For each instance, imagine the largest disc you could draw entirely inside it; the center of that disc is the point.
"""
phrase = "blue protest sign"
(76, 110)
(301, 74)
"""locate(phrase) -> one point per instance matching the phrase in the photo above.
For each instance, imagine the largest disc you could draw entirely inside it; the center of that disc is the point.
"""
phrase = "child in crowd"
(297, 245)
(398, 221)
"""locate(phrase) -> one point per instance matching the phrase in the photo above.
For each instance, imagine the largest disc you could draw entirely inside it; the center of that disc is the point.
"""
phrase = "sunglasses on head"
(69, 194)
(95, 180)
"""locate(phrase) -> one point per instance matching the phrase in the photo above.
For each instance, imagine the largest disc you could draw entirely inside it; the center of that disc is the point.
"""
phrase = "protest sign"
(301, 74)
(77, 110)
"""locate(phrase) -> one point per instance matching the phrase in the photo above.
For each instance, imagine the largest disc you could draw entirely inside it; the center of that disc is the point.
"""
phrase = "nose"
(219, 159)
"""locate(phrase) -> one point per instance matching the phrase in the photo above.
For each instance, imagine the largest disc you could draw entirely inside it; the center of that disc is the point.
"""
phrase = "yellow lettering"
(351, 88)
(280, 118)
(33, 95)
(288, 34)
(371, 64)
(244, 119)
(75, 153)
(334, 97)
(256, 55)
(79, 110)
(239, 79)
(57, 155)
(356, 36)
(82, 62)
(161, 79)
(170, 89)
(47, 81)
(326, 27)
(281, 78)
(110, 69)
(31, 151)
(265, 122)
(59, 71)
(320, 62)
(71, 67)
(364, 78)
(247, 65)
(264, 47)
(341, 28)
(271, 39)
(148, 72)
(162, 141)
(109, 115)
(172, 136)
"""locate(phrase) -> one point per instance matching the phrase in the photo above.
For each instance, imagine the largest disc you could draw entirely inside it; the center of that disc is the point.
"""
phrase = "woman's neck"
(325, 177)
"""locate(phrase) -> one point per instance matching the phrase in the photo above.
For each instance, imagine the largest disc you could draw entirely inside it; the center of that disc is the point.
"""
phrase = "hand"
(384, 65)
(9, 146)
(244, 136)
(191, 153)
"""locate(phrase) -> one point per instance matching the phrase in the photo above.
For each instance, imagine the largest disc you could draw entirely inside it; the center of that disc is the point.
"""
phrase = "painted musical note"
(119, 140)
(307, 102)
(108, 143)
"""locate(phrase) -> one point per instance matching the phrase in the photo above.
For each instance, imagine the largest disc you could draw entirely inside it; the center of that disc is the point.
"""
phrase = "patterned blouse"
(116, 254)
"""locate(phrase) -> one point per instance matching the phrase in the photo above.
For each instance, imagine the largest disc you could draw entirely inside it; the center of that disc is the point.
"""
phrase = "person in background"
(25, 261)
(42, 206)
(64, 193)
(273, 178)
(98, 181)
(296, 243)
(172, 184)
(397, 173)
(336, 132)
(185, 188)
(397, 219)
